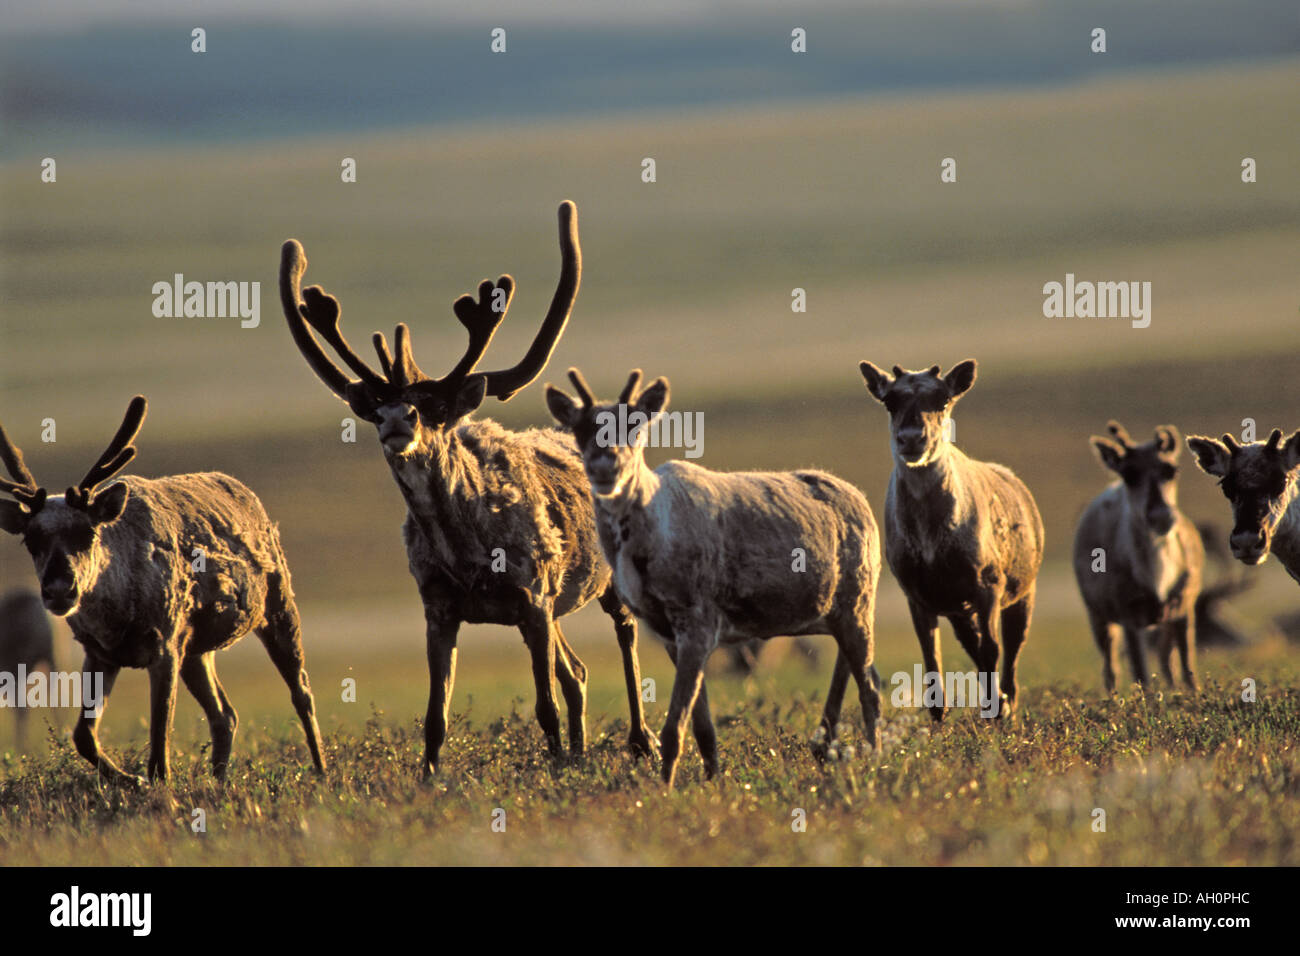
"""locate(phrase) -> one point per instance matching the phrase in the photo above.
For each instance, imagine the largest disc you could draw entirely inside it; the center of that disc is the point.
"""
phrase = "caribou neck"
(1148, 552)
(1286, 539)
(633, 495)
(934, 491)
(436, 478)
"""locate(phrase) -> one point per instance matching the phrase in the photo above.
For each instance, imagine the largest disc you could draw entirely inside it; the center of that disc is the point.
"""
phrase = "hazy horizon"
(125, 73)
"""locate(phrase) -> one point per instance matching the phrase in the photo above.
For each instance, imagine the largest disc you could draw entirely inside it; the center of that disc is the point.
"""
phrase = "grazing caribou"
(119, 562)
(26, 639)
(708, 558)
(1261, 480)
(963, 537)
(499, 526)
(1138, 560)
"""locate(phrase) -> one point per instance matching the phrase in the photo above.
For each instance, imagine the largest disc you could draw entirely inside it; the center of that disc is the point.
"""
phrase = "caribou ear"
(960, 378)
(13, 517)
(1291, 451)
(107, 506)
(1212, 455)
(1110, 453)
(469, 396)
(878, 380)
(564, 408)
(654, 399)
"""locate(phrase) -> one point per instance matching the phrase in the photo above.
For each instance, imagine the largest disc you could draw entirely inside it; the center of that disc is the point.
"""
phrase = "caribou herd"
(522, 528)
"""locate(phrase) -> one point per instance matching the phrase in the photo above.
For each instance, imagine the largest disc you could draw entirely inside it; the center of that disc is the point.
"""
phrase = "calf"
(708, 558)
(1138, 559)
(963, 537)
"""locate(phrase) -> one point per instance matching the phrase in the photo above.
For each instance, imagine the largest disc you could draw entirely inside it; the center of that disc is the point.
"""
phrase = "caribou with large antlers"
(499, 525)
(160, 574)
(709, 558)
(1138, 559)
(1261, 480)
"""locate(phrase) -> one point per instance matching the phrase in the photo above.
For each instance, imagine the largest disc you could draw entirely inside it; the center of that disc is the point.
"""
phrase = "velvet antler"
(115, 456)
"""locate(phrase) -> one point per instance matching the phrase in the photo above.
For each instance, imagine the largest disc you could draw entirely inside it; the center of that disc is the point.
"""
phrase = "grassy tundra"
(1208, 781)
(696, 271)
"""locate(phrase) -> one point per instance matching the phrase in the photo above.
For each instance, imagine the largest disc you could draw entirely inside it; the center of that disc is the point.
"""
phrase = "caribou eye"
(434, 410)
(367, 407)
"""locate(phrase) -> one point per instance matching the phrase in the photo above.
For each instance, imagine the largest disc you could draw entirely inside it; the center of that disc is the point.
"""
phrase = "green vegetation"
(1182, 780)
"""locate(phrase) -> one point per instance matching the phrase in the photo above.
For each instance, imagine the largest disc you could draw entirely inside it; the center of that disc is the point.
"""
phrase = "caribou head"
(62, 534)
(918, 404)
(1148, 471)
(1259, 480)
(610, 463)
(404, 404)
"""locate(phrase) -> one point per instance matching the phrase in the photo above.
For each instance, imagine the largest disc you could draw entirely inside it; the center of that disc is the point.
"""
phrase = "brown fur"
(499, 527)
(117, 562)
(1261, 480)
(963, 537)
(706, 558)
(1153, 554)
(26, 638)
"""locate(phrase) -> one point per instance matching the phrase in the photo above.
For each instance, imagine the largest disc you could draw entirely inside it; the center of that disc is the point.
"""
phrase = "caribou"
(708, 558)
(963, 537)
(26, 641)
(499, 527)
(160, 574)
(1261, 480)
(1138, 560)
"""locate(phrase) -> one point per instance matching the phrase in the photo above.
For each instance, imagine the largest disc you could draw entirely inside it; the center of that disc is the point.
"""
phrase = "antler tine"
(633, 380)
(293, 263)
(29, 495)
(503, 384)
(119, 450)
(322, 313)
(1231, 443)
(584, 390)
(1121, 435)
(385, 356)
(405, 371)
(24, 488)
(1274, 439)
(1167, 438)
(13, 459)
(481, 320)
